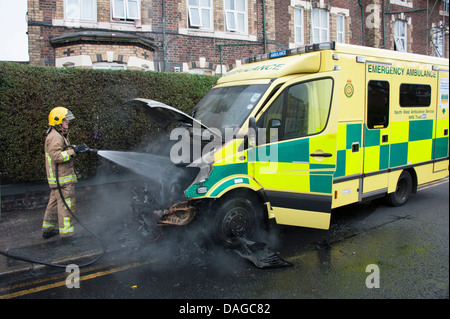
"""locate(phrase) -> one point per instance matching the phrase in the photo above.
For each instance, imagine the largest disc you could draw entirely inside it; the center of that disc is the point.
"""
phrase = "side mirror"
(252, 132)
(275, 123)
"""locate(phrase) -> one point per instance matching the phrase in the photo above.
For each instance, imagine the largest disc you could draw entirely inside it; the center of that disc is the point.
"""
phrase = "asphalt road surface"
(372, 251)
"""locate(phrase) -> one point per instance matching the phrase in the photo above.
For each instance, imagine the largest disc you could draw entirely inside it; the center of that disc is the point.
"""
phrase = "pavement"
(108, 215)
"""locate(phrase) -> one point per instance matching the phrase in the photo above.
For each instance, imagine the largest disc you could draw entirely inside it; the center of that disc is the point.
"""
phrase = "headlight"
(205, 165)
(203, 174)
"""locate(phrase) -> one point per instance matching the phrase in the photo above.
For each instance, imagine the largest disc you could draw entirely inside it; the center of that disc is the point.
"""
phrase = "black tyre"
(402, 191)
(236, 217)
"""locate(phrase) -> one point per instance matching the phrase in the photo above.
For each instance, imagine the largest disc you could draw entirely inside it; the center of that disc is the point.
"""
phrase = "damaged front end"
(152, 217)
(172, 208)
(182, 191)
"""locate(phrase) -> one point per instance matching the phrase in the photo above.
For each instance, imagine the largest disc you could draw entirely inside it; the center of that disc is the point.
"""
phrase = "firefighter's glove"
(81, 149)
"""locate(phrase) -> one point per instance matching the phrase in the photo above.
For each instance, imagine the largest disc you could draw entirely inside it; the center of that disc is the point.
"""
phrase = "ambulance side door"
(296, 154)
(376, 130)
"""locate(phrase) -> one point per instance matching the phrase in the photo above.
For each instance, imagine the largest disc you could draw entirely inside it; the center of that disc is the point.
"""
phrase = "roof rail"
(294, 51)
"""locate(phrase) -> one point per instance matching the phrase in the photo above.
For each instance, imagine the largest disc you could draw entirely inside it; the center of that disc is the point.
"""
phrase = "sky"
(13, 28)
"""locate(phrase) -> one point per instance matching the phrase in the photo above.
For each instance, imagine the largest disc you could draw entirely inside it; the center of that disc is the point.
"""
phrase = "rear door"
(296, 154)
(442, 123)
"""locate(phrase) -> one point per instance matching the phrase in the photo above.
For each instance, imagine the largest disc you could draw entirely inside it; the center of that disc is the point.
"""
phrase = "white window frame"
(405, 3)
(299, 36)
(109, 66)
(127, 12)
(233, 15)
(438, 42)
(199, 8)
(340, 28)
(401, 41)
(80, 7)
(445, 7)
(320, 24)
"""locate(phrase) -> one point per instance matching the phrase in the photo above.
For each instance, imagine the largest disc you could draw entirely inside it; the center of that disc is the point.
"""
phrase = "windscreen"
(228, 107)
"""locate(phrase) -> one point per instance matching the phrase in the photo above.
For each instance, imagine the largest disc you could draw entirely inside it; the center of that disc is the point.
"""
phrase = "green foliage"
(95, 97)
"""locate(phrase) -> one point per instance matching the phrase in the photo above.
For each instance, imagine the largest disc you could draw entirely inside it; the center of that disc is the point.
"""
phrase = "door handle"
(320, 154)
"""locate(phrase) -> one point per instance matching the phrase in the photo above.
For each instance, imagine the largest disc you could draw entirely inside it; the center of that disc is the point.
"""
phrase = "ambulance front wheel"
(236, 217)
(402, 191)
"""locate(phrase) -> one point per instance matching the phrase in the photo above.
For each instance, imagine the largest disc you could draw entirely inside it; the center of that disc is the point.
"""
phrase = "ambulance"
(315, 128)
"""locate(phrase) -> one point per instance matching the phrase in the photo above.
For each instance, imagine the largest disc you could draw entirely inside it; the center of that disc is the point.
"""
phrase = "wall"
(191, 50)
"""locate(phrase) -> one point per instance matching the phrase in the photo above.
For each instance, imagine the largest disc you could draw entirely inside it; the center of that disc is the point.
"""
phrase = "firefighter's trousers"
(57, 215)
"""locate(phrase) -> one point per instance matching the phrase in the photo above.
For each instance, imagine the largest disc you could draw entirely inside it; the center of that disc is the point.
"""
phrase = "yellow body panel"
(346, 193)
(375, 182)
(275, 68)
(286, 216)
(393, 178)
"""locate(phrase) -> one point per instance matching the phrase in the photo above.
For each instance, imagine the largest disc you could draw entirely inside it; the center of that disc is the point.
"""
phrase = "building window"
(126, 10)
(400, 35)
(438, 42)
(200, 14)
(236, 16)
(320, 26)
(298, 26)
(80, 10)
(340, 28)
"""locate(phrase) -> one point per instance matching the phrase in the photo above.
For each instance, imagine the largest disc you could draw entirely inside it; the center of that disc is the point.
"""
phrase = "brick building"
(200, 36)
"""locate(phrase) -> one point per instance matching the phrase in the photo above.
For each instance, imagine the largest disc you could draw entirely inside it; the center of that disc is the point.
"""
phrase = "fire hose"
(27, 259)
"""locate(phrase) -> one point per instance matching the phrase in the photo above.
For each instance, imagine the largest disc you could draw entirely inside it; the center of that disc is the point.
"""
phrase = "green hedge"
(27, 94)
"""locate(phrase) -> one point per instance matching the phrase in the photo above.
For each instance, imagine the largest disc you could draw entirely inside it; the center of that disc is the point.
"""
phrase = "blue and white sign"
(277, 54)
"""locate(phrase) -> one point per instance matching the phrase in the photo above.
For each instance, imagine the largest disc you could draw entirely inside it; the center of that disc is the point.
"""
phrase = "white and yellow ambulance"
(318, 127)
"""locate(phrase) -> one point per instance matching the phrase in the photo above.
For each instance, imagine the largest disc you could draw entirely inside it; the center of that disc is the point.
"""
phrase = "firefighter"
(57, 218)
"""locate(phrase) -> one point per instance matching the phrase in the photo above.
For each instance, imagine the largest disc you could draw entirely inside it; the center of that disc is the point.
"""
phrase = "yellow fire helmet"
(58, 114)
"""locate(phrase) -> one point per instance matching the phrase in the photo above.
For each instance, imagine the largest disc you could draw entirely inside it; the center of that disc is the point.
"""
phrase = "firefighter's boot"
(50, 233)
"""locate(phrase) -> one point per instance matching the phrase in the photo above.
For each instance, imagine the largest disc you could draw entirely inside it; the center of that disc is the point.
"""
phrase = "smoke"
(113, 217)
(134, 231)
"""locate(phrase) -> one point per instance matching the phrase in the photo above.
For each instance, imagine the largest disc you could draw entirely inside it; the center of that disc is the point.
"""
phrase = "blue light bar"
(294, 51)
(277, 54)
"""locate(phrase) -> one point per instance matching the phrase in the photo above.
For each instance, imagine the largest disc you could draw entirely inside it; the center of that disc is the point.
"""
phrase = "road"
(372, 251)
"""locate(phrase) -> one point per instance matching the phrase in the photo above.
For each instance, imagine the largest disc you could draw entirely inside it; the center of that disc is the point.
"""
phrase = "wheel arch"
(413, 174)
(245, 190)
(257, 196)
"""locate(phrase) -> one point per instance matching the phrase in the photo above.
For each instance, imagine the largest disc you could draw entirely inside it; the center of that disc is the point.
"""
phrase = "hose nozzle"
(93, 150)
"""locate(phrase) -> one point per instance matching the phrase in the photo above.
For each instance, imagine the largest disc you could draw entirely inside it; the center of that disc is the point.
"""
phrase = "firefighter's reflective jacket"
(54, 153)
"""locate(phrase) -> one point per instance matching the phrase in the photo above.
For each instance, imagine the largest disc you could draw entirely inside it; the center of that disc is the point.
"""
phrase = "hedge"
(28, 93)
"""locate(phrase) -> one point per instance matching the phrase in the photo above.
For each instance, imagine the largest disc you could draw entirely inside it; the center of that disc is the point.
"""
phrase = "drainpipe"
(164, 37)
(264, 25)
(383, 16)
(362, 21)
(406, 11)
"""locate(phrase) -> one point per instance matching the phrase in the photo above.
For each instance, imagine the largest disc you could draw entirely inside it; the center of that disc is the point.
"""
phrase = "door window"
(377, 104)
(300, 110)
